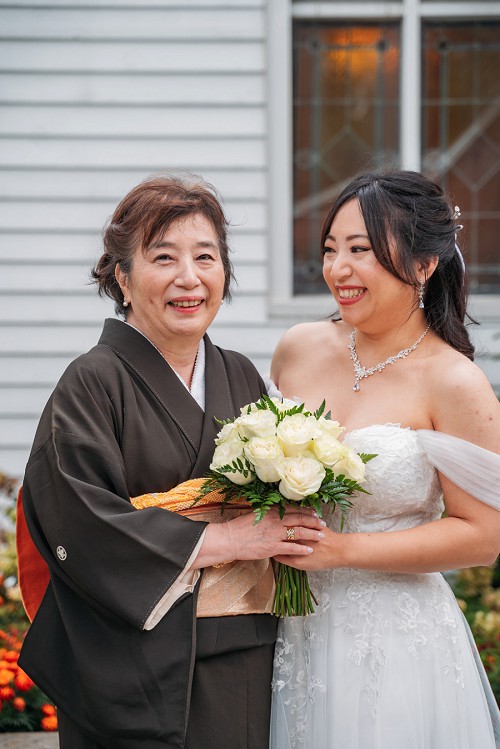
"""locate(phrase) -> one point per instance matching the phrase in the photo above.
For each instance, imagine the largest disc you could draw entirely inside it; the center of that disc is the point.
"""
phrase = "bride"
(387, 660)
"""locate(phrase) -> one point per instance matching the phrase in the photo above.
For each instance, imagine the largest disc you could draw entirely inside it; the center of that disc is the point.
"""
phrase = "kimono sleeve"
(120, 560)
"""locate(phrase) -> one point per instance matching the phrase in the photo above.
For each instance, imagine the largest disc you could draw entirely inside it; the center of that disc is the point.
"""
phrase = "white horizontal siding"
(126, 122)
(145, 22)
(94, 97)
(154, 89)
(131, 57)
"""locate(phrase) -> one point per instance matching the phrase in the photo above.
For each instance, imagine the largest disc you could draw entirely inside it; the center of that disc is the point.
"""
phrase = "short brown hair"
(144, 215)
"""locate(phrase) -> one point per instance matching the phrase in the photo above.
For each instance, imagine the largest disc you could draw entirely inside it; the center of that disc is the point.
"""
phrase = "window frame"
(280, 16)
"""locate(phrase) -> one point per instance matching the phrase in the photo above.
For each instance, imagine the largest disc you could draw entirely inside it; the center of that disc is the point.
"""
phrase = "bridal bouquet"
(275, 454)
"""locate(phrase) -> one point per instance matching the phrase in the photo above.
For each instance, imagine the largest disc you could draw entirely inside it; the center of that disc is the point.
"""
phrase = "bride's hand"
(329, 553)
(242, 538)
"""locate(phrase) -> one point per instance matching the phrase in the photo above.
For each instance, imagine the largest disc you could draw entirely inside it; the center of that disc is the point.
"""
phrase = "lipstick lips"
(352, 294)
(187, 305)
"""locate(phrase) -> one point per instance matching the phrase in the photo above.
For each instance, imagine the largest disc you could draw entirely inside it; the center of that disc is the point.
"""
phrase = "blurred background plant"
(478, 593)
(23, 707)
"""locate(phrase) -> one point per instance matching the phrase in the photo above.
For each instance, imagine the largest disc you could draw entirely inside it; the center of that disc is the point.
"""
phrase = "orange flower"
(23, 681)
(6, 677)
(46, 709)
(6, 693)
(11, 656)
(49, 723)
(18, 704)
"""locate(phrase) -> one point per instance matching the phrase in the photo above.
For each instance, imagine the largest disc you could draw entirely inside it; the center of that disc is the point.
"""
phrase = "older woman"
(115, 642)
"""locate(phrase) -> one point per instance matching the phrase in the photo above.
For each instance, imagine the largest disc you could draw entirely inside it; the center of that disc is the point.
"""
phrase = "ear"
(122, 280)
(426, 268)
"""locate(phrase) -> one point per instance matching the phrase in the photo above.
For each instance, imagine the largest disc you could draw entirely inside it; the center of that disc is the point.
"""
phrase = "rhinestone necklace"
(361, 372)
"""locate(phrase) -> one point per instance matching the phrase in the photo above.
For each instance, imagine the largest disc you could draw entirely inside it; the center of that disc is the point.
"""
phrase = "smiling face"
(367, 294)
(175, 287)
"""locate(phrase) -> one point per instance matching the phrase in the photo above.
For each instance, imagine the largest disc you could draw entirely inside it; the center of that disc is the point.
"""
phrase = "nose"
(340, 267)
(187, 275)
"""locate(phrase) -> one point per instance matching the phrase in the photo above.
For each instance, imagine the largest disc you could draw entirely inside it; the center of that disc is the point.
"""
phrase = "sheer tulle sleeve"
(472, 468)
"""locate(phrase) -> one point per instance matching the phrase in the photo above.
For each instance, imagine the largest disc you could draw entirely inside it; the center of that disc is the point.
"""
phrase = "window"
(461, 134)
(346, 118)
(367, 93)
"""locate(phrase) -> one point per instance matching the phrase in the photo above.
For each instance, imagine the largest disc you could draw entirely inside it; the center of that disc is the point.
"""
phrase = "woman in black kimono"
(116, 643)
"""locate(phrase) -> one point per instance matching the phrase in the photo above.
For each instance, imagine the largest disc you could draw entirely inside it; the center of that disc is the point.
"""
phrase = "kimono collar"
(200, 429)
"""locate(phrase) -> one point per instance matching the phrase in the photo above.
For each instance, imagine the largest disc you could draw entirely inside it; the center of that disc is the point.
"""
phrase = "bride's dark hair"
(413, 213)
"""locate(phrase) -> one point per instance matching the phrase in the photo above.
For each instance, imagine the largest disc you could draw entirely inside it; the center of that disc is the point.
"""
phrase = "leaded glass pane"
(346, 118)
(461, 135)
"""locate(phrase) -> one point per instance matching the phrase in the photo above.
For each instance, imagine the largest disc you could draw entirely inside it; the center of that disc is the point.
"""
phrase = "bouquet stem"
(293, 595)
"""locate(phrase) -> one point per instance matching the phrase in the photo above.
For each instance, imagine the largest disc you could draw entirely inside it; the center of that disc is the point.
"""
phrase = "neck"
(387, 341)
(180, 354)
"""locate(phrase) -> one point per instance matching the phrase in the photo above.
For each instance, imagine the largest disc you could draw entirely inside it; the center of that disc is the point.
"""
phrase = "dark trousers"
(230, 704)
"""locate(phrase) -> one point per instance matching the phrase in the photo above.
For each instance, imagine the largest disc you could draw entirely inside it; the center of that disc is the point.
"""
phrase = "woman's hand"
(242, 538)
(328, 553)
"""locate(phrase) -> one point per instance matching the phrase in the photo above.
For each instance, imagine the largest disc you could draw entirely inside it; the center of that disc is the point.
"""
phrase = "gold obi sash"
(239, 587)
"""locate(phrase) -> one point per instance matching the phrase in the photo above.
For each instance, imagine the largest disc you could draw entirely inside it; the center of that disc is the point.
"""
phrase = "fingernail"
(323, 523)
(321, 535)
(315, 515)
(309, 550)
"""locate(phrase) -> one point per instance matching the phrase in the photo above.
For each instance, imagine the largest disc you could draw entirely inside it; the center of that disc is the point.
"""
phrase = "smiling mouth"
(193, 303)
(350, 293)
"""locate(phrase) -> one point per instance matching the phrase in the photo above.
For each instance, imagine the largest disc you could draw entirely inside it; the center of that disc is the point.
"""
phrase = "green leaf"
(366, 457)
(320, 410)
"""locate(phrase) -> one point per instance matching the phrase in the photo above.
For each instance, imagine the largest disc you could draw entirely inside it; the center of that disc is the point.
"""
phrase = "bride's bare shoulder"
(307, 339)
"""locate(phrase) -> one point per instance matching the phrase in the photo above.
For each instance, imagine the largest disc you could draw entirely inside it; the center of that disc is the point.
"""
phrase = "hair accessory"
(421, 292)
(458, 227)
(361, 372)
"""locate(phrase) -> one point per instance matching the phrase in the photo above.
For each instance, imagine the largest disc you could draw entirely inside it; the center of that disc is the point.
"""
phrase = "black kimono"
(120, 424)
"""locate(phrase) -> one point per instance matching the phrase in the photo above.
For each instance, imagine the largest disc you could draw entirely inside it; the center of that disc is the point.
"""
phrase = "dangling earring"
(421, 292)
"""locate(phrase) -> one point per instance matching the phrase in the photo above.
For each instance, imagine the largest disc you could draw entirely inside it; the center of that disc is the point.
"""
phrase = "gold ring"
(290, 534)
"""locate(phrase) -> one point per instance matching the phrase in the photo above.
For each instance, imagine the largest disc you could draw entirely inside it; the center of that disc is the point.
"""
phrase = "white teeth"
(186, 304)
(350, 293)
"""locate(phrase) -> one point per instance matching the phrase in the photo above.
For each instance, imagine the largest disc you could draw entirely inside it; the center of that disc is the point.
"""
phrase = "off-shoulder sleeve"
(472, 468)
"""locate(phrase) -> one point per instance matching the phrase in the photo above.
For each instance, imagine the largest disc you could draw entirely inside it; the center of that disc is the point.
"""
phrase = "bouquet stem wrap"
(239, 587)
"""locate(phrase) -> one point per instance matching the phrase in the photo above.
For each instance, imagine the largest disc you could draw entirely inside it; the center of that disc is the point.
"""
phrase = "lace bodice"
(403, 485)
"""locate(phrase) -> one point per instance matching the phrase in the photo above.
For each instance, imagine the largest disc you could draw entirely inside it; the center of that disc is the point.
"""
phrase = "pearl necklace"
(361, 372)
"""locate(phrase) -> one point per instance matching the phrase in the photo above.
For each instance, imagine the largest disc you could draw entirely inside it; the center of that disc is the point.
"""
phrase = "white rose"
(328, 449)
(257, 424)
(224, 454)
(350, 465)
(300, 476)
(228, 433)
(296, 432)
(330, 427)
(266, 455)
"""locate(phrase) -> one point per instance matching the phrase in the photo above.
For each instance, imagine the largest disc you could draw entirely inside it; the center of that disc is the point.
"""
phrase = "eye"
(162, 257)
(327, 251)
(205, 256)
(357, 249)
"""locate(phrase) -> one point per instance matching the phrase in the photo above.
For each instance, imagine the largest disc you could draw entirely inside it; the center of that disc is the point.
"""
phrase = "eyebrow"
(172, 245)
(349, 238)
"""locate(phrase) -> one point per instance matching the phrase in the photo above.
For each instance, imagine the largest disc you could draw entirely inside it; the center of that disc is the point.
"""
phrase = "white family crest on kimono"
(388, 660)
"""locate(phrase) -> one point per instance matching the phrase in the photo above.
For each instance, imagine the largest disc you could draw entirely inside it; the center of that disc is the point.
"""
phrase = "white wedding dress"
(387, 661)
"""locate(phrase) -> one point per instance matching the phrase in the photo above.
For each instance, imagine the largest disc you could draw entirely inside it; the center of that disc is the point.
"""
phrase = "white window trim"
(280, 13)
